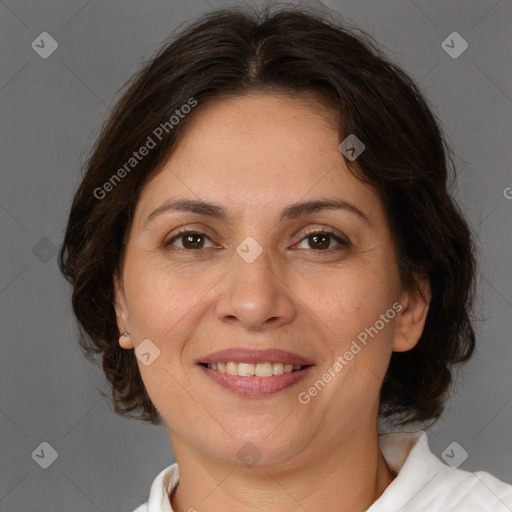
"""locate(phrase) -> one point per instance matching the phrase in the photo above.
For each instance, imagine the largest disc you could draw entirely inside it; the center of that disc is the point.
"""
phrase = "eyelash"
(344, 243)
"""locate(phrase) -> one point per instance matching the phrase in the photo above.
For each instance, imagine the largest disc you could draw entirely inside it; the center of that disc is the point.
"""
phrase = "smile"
(245, 378)
(265, 369)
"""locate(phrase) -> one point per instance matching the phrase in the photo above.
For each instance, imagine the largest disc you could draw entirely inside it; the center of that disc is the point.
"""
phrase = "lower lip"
(255, 386)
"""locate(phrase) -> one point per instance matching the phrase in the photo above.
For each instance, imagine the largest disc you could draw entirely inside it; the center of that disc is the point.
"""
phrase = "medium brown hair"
(289, 50)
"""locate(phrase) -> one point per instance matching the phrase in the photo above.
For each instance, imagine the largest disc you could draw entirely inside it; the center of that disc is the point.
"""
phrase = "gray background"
(51, 110)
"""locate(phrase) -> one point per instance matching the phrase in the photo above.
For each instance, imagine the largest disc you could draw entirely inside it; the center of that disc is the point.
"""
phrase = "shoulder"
(424, 482)
(464, 490)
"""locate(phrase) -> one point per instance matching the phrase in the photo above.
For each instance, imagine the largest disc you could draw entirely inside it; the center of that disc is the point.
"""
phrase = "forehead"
(257, 149)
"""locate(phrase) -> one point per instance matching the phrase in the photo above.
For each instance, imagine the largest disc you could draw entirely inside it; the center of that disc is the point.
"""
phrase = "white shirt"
(423, 482)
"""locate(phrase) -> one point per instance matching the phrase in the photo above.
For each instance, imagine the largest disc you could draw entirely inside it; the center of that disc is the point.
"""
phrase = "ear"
(121, 313)
(411, 319)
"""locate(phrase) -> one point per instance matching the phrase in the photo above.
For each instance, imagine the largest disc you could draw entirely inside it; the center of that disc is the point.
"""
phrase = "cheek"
(160, 297)
(358, 328)
(355, 315)
(349, 300)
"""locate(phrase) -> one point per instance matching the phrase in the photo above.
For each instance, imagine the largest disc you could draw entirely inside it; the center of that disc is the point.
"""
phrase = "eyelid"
(182, 232)
(339, 237)
(323, 229)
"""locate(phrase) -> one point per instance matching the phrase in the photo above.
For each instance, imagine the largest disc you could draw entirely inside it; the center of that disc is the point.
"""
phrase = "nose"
(255, 295)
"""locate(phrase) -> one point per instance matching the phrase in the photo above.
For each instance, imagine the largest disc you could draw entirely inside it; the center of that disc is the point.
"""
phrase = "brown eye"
(190, 240)
(321, 240)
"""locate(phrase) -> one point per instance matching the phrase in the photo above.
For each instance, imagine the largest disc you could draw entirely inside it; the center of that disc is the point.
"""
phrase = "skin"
(254, 155)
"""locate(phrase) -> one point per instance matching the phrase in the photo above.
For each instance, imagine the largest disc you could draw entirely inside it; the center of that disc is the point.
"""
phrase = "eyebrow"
(292, 211)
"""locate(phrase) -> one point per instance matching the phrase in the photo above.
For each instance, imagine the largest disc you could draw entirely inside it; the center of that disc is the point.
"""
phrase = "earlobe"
(411, 320)
(122, 315)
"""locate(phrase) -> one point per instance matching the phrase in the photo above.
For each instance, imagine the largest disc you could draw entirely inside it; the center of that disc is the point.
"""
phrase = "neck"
(348, 477)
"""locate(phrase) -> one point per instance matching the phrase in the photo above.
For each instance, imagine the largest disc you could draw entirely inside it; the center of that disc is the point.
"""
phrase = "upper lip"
(251, 355)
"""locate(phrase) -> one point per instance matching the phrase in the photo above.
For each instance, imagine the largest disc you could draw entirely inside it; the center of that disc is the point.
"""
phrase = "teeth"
(245, 369)
(262, 369)
(232, 368)
(251, 369)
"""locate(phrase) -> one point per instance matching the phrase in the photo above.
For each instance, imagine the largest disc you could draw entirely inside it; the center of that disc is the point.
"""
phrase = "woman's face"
(258, 278)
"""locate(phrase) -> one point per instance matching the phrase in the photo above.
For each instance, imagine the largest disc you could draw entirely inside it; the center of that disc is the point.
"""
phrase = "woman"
(265, 253)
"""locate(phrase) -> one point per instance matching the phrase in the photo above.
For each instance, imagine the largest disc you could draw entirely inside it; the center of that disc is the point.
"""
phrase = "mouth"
(264, 369)
(254, 372)
(246, 356)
